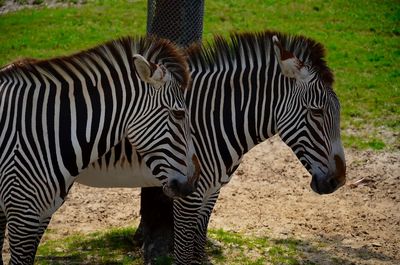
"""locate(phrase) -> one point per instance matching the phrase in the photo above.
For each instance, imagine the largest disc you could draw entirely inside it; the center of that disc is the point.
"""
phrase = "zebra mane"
(310, 52)
(154, 49)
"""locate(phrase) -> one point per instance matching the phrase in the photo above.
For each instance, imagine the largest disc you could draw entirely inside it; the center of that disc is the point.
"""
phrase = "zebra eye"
(317, 112)
(178, 114)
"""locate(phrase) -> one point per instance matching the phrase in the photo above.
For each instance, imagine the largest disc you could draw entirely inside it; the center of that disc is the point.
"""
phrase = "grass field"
(116, 247)
(361, 37)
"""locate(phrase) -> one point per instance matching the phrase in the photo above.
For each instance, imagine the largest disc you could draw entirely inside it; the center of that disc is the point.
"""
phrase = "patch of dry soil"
(14, 5)
(270, 195)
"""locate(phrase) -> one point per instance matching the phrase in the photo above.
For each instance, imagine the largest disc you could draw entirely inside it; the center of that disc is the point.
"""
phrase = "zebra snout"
(328, 185)
(177, 189)
(325, 184)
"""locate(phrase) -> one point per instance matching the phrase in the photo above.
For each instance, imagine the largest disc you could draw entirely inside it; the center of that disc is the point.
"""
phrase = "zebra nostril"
(173, 184)
(332, 183)
(171, 188)
(175, 189)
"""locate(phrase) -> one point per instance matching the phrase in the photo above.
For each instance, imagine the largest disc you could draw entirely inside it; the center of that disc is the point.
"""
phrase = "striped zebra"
(246, 89)
(60, 115)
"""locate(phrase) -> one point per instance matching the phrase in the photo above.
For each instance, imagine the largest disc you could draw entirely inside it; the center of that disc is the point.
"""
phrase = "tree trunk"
(156, 228)
(181, 21)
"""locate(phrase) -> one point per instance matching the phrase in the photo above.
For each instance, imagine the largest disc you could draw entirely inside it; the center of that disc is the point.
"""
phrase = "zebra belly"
(118, 177)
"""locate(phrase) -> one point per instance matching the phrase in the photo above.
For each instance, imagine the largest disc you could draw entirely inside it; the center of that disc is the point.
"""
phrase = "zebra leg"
(3, 223)
(185, 217)
(42, 228)
(24, 233)
(203, 219)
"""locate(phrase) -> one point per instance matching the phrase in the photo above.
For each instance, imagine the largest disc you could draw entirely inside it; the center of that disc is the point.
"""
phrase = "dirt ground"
(14, 5)
(270, 195)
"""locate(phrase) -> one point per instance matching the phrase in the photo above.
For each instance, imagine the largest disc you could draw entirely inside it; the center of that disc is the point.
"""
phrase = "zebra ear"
(154, 74)
(290, 65)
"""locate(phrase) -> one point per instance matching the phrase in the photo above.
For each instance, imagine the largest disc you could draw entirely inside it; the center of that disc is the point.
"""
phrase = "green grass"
(116, 246)
(111, 247)
(233, 248)
(361, 37)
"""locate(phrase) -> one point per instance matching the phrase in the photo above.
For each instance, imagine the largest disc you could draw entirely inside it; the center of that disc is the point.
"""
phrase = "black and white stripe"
(60, 115)
(246, 89)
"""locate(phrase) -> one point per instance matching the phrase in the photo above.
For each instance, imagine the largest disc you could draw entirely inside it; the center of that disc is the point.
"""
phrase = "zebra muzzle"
(176, 189)
(329, 183)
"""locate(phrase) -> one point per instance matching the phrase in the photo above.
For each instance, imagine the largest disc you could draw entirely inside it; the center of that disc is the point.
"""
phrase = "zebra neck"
(83, 115)
(240, 110)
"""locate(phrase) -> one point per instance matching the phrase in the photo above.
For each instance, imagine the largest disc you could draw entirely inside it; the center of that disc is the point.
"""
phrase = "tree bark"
(156, 229)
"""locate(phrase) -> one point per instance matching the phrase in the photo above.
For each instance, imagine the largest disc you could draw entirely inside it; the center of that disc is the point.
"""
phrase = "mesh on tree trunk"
(180, 21)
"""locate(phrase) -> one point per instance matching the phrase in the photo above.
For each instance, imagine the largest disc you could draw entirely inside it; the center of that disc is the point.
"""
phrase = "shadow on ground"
(118, 247)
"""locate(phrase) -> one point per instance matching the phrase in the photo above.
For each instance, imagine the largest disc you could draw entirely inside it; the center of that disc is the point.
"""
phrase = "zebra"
(244, 90)
(59, 115)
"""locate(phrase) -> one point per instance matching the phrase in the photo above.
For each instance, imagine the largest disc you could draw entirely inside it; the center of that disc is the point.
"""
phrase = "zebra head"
(310, 120)
(160, 132)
